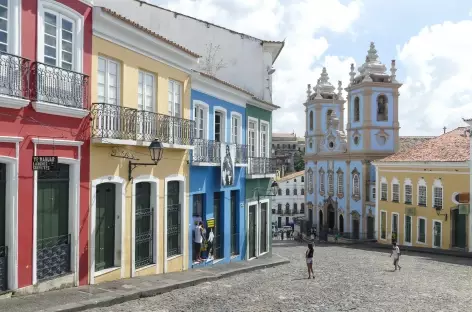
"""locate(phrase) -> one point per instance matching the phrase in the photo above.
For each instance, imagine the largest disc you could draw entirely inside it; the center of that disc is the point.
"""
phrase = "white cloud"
(437, 90)
(297, 20)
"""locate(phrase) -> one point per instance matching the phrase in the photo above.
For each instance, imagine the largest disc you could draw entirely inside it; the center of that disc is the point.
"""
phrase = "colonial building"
(417, 202)
(218, 167)
(45, 52)
(287, 148)
(468, 132)
(338, 170)
(240, 60)
(141, 90)
(290, 200)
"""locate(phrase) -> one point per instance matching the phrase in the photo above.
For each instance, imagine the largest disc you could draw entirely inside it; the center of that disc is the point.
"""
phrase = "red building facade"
(45, 65)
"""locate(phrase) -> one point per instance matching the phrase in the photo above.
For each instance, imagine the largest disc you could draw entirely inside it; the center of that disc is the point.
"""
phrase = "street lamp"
(438, 212)
(156, 150)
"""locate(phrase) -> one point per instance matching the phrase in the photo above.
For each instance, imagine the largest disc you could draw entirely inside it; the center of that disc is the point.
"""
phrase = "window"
(421, 230)
(174, 246)
(252, 138)
(236, 129)
(294, 180)
(279, 206)
(303, 179)
(340, 183)
(328, 117)
(310, 181)
(295, 192)
(437, 194)
(356, 184)
(264, 140)
(295, 208)
(330, 183)
(287, 208)
(408, 192)
(311, 120)
(382, 114)
(287, 192)
(198, 205)
(383, 225)
(422, 192)
(108, 78)
(59, 38)
(322, 183)
(356, 109)
(146, 91)
(200, 122)
(219, 127)
(175, 98)
(5, 17)
(302, 192)
(302, 208)
(395, 191)
(280, 191)
(383, 191)
(373, 193)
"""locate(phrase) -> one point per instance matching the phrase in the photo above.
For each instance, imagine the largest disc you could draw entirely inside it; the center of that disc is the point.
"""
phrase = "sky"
(429, 40)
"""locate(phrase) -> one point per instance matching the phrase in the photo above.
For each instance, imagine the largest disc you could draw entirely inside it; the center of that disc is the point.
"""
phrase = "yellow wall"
(453, 180)
(174, 161)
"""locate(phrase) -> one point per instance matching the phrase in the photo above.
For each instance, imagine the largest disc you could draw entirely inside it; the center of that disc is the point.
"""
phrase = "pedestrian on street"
(396, 256)
(198, 241)
(309, 261)
(282, 234)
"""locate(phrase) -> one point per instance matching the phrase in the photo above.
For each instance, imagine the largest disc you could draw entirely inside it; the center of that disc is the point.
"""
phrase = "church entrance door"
(331, 217)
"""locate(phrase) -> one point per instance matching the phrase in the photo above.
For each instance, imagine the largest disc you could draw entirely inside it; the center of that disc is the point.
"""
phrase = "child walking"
(309, 261)
(396, 256)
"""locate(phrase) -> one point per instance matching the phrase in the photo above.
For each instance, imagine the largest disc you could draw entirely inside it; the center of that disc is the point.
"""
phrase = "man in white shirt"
(198, 241)
(396, 256)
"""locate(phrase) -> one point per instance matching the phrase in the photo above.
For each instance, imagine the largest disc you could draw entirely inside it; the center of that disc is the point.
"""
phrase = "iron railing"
(3, 268)
(302, 210)
(117, 122)
(144, 238)
(60, 86)
(53, 258)
(287, 211)
(209, 151)
(295, 210)
(262, 165)
(14, 75)
(279, 211)
(174, 244)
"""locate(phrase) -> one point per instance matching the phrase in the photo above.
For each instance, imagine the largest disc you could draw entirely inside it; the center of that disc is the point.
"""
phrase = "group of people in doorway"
(202, 242)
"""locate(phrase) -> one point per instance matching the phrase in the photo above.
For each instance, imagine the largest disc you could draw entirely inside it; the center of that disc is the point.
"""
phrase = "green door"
(408, 229)
(3, 251)
(370, 227)
(459, 229)
(143, 226)
(218, 229)
(264, 224)
(252, 231)
(105, 226)
(355, 228)
(53, 241)
(437, 234)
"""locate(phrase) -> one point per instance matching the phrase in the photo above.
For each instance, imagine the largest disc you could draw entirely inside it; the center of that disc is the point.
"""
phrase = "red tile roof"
(225, 83)
(150, 32)
(292, 176)
(452, 146)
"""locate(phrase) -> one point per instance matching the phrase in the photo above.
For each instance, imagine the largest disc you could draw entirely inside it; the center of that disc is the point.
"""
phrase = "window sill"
(421, 243)
(174, 257)
(106, 271)
(422, 205)
(146, 267)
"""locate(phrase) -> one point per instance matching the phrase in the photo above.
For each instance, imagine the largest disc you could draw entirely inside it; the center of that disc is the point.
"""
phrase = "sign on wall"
(210, 223)
(45, 163)
(228, 153)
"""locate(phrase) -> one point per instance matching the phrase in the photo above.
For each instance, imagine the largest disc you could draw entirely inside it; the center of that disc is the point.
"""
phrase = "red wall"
(29, 124)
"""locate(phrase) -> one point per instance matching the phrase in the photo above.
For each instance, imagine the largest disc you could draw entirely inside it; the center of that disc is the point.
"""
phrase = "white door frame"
(432, 232)
(249, 204)
(404, 231)
(259, 225)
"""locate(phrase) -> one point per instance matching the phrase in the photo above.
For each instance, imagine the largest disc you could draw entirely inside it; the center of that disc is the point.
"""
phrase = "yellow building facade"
(416, 194)
(140, 93)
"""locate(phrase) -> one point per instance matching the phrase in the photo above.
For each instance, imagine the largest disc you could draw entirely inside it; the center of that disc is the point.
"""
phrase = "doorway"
(331, 217)
(370, 227)
(143, 226)
(394, 228)
(310, 217)
(279, 222)
(408, 229)
(320, 219)
(252, 231)
(234, 223)
(341, 223)
(263, 230)
(437, 232)
(218, 229)
(355, 228)
(459, 226)
(3, 248)
(53, 238)
(105, 226)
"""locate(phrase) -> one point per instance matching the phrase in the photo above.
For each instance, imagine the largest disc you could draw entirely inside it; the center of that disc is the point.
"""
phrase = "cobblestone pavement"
(347, 279)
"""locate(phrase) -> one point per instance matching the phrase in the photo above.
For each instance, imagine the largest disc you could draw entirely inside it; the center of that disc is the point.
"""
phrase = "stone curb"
(158, 290)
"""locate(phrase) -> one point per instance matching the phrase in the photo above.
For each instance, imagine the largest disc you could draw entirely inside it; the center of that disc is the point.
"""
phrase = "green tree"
(299, 162)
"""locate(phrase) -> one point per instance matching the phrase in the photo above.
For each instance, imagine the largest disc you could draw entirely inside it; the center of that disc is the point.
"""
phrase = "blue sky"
(429, 40)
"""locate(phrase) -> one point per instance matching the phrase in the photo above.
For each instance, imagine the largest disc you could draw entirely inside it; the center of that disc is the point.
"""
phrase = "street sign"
(464, 198)
(45, 163)
(210, 223)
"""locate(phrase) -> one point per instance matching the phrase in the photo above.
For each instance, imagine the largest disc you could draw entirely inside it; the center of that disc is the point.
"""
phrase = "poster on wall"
(227, 164)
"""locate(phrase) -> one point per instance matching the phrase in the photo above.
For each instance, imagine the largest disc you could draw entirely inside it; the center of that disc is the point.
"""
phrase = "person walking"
(309, 261)
(396, 256)
(198, 241)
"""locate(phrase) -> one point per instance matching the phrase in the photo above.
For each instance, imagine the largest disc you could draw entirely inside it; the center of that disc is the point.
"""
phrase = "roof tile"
(292, 175)
(225, 83)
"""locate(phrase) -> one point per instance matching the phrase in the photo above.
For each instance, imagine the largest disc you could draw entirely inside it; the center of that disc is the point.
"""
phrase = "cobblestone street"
(347, 279)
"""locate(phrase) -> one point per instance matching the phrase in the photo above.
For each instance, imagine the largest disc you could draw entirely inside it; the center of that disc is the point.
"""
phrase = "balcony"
(14, 81)
(59, 91)
(115, 124)
(279, 211)
(261, 167)
(208, 152)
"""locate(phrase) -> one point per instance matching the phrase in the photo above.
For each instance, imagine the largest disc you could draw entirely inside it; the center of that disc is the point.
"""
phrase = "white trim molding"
(432, 233)
(239, 117)
(112, 29)
(404, 230)
(48, 141)
(407, 165)
(120, 208)
(398, 225)
(249, 204)
(425, 230)
(183, 208)
(259, 225)
(154, 200)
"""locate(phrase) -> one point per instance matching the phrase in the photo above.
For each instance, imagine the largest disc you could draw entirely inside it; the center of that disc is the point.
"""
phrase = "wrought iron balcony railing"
(14, 75)
(123, 123)
(53, 257)
(60, 86)
(287, 211)
(262, 165)
(209, 151)
(279, 211)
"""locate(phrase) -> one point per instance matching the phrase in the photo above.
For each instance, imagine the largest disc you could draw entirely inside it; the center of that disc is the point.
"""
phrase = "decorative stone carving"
(355, 215)
(308, 92)
(356, 185)
(381, 137)
(393, 71)
(382, 108)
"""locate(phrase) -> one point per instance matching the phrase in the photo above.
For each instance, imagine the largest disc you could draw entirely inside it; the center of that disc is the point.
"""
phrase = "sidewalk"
(110, 293)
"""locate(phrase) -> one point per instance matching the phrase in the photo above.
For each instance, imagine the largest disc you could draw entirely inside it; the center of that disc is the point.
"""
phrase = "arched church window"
(302, 208)
(311, 120)
(322, 181)
(287, 192)
(279, 191)
(328, 116)
(356, 185)
(382, 113)
(302, 192)
(330, 183)
(357, 113)
(295, 192)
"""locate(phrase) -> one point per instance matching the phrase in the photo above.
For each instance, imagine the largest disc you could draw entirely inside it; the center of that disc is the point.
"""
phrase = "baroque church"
(340, 180)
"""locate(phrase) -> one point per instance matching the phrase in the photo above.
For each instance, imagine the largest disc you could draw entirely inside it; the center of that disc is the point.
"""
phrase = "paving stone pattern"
(347, 279)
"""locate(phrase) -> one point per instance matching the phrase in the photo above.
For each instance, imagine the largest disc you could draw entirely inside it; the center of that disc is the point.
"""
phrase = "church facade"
(339, 177)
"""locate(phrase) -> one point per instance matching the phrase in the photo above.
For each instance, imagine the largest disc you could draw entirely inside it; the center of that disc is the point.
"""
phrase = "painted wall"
(245, 57)
(27, 123)
(174, 161)
(453, 180)
(282, 200)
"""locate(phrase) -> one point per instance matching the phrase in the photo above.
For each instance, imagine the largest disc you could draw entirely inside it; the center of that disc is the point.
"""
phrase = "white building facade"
(290, 200)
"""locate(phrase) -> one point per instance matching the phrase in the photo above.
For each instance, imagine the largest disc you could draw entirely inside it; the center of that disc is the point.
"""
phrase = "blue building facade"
(340, 180)
(218, 171)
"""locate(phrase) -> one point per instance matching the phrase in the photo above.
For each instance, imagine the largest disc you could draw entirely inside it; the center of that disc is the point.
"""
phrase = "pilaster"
(364, 193)
(366, 133)
(348, 195)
